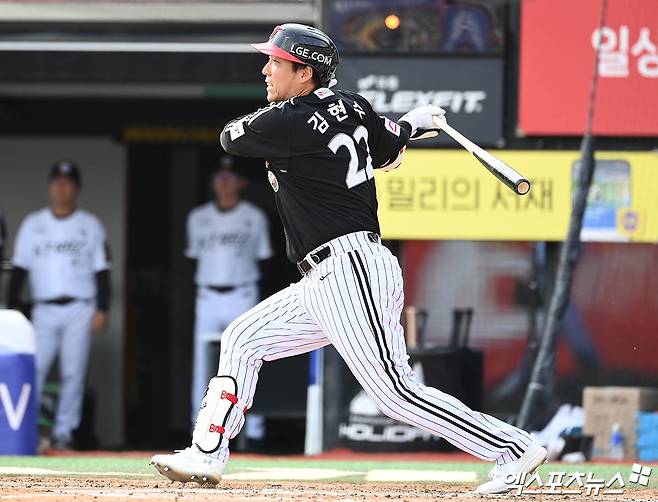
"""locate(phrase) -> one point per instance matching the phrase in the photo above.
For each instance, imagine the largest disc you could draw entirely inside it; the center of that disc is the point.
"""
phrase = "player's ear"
(306, 74)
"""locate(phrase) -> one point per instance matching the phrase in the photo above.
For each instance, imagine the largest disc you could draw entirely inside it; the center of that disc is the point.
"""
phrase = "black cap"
(227, 163)
(65, 168)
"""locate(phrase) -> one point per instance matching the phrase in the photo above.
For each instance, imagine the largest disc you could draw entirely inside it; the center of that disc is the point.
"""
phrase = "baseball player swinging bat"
(515, 181)
(321, 147)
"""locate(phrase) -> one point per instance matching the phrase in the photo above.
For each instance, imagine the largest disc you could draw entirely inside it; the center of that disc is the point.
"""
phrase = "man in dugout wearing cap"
(64, 252)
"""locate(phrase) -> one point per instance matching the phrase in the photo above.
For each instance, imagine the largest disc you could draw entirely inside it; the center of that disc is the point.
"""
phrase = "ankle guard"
(216, 406)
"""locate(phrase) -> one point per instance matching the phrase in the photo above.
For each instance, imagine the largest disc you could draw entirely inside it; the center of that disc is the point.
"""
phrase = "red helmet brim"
(272, 50)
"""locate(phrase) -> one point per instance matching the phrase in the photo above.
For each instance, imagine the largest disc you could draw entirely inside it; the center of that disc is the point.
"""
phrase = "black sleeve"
(406, 126)
(263, 133)
(103, 290)
(16, 281)
(387, 137)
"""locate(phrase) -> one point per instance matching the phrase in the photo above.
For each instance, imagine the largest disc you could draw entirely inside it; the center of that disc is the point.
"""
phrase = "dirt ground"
(53, 489)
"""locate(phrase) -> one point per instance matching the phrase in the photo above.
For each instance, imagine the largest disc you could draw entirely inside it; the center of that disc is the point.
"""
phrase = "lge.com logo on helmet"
(306, 53)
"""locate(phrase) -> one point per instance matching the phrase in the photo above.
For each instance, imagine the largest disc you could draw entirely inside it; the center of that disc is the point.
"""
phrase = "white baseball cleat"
(503, 475)
(191, 464)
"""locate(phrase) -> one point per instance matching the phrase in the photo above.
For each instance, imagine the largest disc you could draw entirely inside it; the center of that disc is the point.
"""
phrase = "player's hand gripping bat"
(497, 167)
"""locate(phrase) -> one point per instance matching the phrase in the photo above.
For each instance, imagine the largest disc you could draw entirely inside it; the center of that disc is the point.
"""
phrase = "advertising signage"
(558, 49)
(445, 194)
(470, 90)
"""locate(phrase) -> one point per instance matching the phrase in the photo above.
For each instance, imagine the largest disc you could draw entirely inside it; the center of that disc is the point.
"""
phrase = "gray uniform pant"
(64, 331)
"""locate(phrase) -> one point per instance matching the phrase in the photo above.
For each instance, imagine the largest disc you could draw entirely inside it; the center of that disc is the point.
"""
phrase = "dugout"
(137, 101)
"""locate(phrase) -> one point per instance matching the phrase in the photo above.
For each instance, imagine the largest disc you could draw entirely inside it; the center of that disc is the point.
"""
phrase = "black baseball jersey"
(320, 151)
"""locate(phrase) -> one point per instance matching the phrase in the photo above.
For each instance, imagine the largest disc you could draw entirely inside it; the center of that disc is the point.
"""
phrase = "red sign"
(558, 41)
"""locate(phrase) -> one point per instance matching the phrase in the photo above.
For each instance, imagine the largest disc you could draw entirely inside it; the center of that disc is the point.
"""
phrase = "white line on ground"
(412, 475)
(36, 471)
(289, 474)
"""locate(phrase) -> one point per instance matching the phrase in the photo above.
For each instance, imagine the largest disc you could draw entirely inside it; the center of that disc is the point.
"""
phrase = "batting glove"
(424, 121)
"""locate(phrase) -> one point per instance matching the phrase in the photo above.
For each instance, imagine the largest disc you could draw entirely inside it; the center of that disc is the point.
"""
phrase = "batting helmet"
(303, 44)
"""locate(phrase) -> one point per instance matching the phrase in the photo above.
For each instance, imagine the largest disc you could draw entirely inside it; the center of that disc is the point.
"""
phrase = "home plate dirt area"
(108, 477)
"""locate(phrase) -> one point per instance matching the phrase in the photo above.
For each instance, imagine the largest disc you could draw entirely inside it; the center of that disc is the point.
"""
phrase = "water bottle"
(616, 443)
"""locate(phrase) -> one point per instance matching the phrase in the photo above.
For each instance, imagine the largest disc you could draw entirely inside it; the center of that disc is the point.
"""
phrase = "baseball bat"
(510, 178)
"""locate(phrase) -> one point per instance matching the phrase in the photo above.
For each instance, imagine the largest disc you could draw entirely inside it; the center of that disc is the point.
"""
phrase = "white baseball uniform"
(351, 292)
(62, 256)
(227, 246)
(353, 301)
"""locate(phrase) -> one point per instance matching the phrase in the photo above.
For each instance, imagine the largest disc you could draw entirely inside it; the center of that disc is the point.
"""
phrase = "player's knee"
(232, 334)
(42, 369)
(383, 404)
(69, 374)
(388, 408)
(237, 344)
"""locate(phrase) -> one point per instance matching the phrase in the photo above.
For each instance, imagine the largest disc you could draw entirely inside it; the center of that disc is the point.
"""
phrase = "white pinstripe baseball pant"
(353, 300)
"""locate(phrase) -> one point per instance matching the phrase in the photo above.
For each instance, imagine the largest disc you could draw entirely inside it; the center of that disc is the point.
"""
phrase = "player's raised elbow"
(394, 162)
(232, 137)
(225, 141)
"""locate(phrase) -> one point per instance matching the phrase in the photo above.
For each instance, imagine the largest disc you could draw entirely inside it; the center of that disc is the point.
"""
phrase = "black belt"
(221, 289)
(62, 300)
(322, 254)
(316, 258)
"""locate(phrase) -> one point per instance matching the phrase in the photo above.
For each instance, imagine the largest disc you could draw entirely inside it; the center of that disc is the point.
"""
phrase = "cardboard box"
(606, 405)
